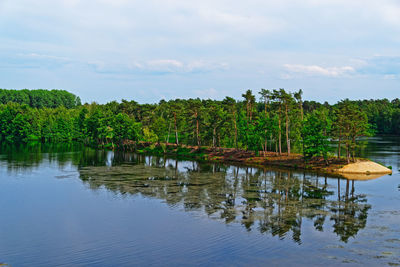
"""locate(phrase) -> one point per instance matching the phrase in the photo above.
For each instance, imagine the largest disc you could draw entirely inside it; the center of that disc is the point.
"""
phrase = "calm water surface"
(69, 205)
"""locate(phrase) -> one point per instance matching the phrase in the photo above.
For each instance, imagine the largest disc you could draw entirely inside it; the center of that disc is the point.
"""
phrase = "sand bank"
(364, 167)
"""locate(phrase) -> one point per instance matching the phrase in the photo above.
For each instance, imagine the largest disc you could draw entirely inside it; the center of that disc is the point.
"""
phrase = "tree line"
(269, 120)
(40, 98)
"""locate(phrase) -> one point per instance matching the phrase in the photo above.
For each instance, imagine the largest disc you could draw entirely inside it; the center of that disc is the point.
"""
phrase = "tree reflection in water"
(270, 201)
(273, 202)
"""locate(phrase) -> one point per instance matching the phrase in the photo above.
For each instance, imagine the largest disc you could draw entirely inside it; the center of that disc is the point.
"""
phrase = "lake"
(64, 205)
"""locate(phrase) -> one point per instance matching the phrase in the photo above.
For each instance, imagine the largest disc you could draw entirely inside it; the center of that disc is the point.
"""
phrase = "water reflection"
(325, 215)
(269, 201)
(28, 157)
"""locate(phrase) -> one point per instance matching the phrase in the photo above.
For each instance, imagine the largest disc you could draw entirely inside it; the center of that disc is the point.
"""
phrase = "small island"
(360, 169)
(280, 130)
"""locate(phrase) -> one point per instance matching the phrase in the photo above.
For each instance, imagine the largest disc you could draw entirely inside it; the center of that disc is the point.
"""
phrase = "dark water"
(69, 205)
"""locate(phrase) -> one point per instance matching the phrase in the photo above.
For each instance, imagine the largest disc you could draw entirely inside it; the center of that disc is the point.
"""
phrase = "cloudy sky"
(107, 50)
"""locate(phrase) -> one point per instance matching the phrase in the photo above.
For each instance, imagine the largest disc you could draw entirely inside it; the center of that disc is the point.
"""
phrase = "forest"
(269, 120)
(40, 98)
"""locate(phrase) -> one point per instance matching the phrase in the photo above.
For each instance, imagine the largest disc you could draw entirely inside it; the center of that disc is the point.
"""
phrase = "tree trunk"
(234, 117)
(266, 136)
(339, 146)
(176, 130)
(247, 110)
(197, 130)
(265, 108)
(270, 142)
(169, 130)
(214, 137)
(266, 144)
(287, 130)
(279, 132)
(301, 110)
(251, 111)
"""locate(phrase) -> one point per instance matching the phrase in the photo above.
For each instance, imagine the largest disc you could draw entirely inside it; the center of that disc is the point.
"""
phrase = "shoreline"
(361, 169)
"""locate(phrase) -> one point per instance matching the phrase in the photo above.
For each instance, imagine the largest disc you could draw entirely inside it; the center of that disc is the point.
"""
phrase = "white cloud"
(165, 65)
(159, 66)
(315, 70)
(203, 66)
(391, 76)
(176, 66)
(229, 45)
(383, 67)
(44, 57)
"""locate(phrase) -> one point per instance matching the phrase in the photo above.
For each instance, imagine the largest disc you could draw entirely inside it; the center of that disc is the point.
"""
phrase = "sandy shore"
(364, 167)
(360, 170)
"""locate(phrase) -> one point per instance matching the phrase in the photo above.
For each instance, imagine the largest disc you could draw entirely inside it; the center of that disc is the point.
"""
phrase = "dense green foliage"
(276, 120)
(315, 139)
(40, 98)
